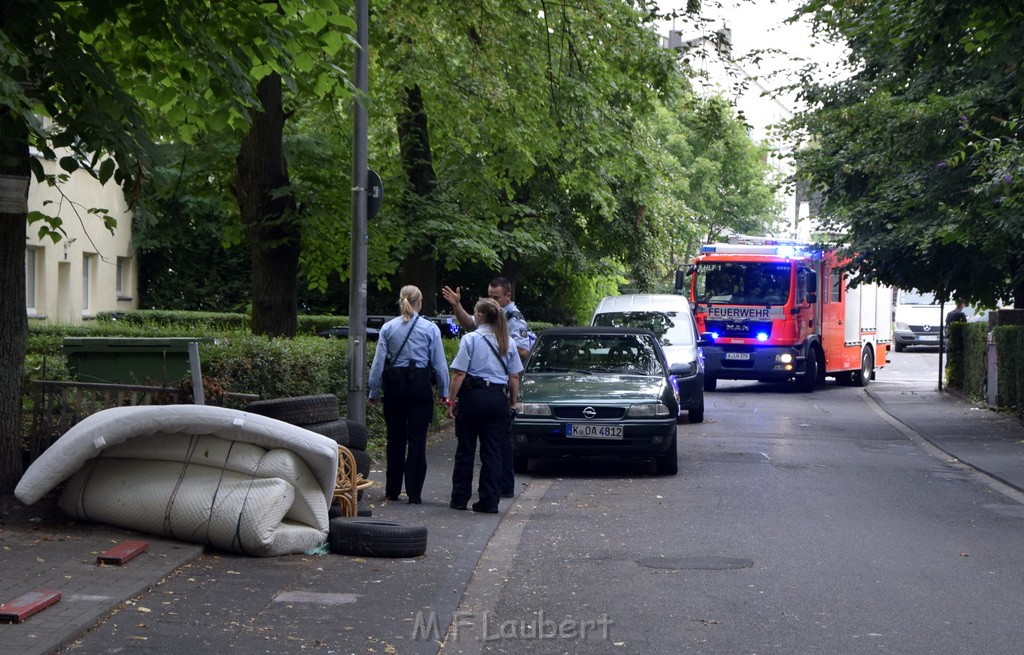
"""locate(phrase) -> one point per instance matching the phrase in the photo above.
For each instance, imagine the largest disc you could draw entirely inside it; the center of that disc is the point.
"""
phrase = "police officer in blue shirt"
(408, 360)
(485, 383)
(500, 291)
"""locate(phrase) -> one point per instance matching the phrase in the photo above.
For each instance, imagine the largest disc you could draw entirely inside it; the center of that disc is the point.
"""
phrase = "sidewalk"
(41, 549)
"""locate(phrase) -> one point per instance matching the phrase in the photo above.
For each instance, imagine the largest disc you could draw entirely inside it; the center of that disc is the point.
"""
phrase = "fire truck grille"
(740, 329)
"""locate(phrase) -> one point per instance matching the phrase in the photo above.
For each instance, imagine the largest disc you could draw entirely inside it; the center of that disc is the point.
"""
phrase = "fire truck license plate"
(737, 355)
(586, 431)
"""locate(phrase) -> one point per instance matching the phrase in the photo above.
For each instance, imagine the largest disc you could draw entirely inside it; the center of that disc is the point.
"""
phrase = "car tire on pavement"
(370, 537)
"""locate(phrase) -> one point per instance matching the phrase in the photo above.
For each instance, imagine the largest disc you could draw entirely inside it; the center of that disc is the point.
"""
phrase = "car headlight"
(647, 410)
(902, 326)
(532, 409)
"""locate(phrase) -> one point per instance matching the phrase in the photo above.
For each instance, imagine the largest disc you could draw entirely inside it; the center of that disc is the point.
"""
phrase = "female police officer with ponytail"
(485, 386)
(408, 350)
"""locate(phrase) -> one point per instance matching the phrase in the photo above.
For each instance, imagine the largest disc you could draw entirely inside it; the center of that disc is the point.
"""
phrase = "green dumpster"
(122, 360)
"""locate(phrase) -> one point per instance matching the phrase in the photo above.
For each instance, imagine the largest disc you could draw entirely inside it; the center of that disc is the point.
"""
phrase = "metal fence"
(56, 406)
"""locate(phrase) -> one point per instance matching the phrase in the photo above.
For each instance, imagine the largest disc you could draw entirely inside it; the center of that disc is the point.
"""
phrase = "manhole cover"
(696, 563)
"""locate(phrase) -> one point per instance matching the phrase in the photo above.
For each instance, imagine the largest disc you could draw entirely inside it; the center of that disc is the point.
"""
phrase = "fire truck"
(776, 310)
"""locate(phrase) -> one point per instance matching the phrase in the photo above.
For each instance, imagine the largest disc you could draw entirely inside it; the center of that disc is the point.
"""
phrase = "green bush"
(1010, 346)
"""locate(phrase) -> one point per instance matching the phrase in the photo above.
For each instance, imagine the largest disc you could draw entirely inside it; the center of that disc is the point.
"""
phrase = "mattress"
(234, 480)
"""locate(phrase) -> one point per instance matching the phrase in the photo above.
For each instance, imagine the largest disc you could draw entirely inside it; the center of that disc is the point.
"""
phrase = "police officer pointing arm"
(500, 291)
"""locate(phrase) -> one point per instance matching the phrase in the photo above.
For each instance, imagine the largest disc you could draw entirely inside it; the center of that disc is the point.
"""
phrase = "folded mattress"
(234, 480)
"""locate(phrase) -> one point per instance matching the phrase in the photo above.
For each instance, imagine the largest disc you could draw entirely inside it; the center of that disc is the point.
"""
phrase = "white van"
(918, 318)
(671, 319)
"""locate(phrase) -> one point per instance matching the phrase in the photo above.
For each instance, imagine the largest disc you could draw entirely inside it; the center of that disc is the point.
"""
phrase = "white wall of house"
(90, 270)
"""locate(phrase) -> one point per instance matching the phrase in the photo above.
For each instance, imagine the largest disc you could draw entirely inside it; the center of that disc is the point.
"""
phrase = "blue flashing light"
(786, 251)
(714, 334)
(762, 336)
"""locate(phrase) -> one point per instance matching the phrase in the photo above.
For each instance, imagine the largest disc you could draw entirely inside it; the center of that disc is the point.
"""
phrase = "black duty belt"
(474, 382)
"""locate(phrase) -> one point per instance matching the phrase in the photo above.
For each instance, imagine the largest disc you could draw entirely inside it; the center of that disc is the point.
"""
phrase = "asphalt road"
(797, 524)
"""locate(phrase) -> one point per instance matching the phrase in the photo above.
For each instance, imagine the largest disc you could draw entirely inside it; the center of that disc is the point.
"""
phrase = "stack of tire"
(361, 536)
(320, 414)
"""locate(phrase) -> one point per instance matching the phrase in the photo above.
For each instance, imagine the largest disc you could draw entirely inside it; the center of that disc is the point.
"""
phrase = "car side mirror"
(680, 369)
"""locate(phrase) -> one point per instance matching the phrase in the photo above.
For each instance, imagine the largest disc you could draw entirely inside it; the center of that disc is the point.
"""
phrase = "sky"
(759, 26)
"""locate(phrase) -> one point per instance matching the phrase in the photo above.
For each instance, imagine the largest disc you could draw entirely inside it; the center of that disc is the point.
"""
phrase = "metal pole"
(357, 260)
(942, 338)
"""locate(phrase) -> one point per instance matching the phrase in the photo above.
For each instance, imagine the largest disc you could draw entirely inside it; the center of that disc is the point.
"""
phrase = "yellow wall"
(60, 272)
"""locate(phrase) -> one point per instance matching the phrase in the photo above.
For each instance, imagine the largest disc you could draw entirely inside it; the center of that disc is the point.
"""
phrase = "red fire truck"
(778, 310)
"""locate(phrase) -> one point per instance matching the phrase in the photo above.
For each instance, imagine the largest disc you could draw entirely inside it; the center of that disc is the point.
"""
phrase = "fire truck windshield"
(743, 283)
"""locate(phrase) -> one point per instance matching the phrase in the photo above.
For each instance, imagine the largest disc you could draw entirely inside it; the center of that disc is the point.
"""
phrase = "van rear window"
(672, 329)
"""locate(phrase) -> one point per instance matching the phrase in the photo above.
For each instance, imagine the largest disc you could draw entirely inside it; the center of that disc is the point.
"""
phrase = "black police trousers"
(482, 417)
(408, 409)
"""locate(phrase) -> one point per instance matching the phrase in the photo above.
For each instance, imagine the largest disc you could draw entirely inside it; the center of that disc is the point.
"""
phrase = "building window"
(124, 277)
(31, 279)
(87, 275)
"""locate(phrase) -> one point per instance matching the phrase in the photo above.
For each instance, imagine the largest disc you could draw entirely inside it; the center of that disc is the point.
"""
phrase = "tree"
(916, 151)
(98, 75)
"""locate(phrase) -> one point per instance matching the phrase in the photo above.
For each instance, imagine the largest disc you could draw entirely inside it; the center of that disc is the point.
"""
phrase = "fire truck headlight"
(762, 336)
(784, 358)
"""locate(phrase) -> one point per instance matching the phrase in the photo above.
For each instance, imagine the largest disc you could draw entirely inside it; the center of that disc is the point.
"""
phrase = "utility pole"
(356, 409)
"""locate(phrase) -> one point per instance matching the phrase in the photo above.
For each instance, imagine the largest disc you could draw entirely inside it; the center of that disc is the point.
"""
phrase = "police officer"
(499, 290)
(485, 384)
(409, 354)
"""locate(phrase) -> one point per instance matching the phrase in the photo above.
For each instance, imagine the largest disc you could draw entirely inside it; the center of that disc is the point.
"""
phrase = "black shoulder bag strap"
(407, 335)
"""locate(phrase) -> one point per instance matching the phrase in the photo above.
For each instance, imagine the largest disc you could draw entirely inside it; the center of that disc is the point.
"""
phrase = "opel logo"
(927, 328)
(589, 412)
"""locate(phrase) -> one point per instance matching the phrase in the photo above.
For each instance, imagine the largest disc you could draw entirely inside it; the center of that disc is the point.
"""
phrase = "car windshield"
(915, 297)
(743, 283)
(671, 328)
(632, 354)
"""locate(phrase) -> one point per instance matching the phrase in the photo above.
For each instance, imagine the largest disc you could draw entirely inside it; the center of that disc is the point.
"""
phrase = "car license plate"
(743, 356)
(930, 337)
(588, 431)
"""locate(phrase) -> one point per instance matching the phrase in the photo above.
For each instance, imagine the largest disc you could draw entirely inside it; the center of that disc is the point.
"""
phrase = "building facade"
(91, 269)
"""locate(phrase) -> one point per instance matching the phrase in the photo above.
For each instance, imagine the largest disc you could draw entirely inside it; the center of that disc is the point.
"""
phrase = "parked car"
(671, 319)
(594, 391)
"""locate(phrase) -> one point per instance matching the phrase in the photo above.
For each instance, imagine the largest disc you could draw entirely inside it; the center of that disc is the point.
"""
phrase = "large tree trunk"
(271, 224)
(418, 266)
(14, 175)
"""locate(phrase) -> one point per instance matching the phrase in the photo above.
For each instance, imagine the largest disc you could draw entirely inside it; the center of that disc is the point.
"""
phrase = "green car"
(597, 391)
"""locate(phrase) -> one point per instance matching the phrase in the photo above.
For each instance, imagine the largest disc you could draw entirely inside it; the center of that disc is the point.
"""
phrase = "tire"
(358, 435)
(337, 430)
(900, 347)
(520, 463)
(695, 415)
(300, 410)
(862, 377)
(710, 383)
(370, 537)
(809, 381)
(668, 464)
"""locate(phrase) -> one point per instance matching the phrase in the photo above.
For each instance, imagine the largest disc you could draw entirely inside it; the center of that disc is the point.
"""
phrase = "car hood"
(590, 388)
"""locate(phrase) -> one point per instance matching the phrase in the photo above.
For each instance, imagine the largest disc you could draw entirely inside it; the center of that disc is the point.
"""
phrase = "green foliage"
(967, 358)
(1010, 344)
(274, 368)
(916, 151)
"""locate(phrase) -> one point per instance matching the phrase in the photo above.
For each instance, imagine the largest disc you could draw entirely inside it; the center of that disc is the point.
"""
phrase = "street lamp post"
(356, 407)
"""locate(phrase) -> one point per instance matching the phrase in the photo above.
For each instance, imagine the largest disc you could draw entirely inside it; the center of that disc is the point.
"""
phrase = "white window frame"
(87, 275)
(122, 277)
(31, 280)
